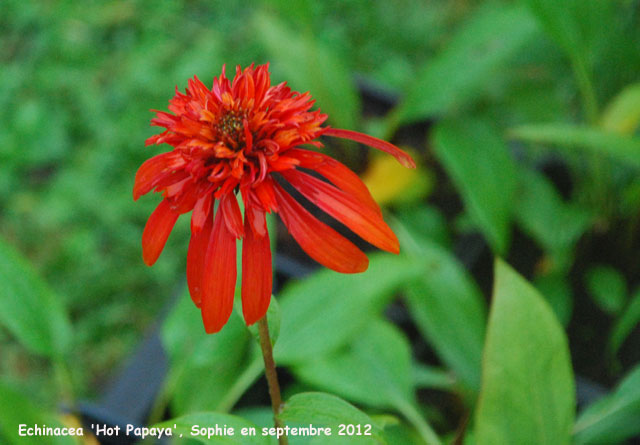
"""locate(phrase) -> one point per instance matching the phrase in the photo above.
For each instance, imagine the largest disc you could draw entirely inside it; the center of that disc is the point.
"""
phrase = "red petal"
(201, 212)
(256, 272)
(232, 216)
(320, 241)
(219, 279)
(156, 231)
(152, 171)
(339, 174)
(385, 146)
(264, 192)
(368, 224)
(196, 258)
(255, 217)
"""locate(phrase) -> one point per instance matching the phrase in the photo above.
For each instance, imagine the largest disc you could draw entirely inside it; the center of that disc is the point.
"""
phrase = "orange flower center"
(230, 128)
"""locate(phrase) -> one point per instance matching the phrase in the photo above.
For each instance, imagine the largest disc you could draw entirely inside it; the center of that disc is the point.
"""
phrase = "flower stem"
(272, 376)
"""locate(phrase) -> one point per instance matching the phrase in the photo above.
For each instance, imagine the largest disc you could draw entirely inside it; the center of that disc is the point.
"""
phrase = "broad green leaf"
(478, 161)
(607, 287)
(29, 308)
(528, 392)
(622, 115)
(626, 149)
(308, 65)
(324, 311)
(542, 213)
(183, 427)
(449, 311)
(193, 353)
(613, 418)
(629, 319)
(16, 409)
(321, 409)
(490, 38)
(375, 369)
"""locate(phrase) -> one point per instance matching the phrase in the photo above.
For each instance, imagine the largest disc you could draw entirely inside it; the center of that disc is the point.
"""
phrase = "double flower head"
(245, 137)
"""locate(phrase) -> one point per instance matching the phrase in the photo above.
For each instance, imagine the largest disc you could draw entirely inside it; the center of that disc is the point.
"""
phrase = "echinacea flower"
(231, 139)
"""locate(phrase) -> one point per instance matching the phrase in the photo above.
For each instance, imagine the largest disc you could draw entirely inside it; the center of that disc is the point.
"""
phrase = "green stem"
(271, 374)
(585, 85)
(63, 379)
(590, 105)
(240, 386)
(415, 418)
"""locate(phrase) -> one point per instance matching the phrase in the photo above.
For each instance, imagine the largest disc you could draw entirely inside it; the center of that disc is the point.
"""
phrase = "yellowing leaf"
(389, 181)
(622, 115)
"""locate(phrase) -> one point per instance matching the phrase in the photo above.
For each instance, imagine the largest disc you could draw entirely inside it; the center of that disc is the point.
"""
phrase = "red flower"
(232, 138)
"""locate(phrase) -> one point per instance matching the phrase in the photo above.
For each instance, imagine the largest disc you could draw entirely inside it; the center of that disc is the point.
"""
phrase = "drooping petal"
(320, 241)
(219, 279)
(385, 146)
(256, 271)
(339, 174)
(265, 194)
(201, 212)
(232, 215)
(256, 219)
(152, 171)
(196, 258)
(365, 222)
(156, 231)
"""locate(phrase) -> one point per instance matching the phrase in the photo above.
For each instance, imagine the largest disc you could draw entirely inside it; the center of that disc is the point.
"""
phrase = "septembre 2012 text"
(99, 430)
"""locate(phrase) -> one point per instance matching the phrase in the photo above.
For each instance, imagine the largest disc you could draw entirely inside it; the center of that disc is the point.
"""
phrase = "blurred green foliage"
(533, 109)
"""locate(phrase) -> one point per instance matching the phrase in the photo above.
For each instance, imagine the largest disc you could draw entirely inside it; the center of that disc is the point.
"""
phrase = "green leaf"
(478, 161)
(559, 20)
(629, 319)
(430, 377)
(375, 369)
(321, 409)
(528, 393)
(193, 353)
(16, 409)
(576, 26)
(490, 38)
(449, 311)
(308, 65)
(613, 418)
(28, 307)
(622, 115)
(607, 287)
(623, 148)
(556, 289)
(326, 310)
(542, 213)
(184, 428)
